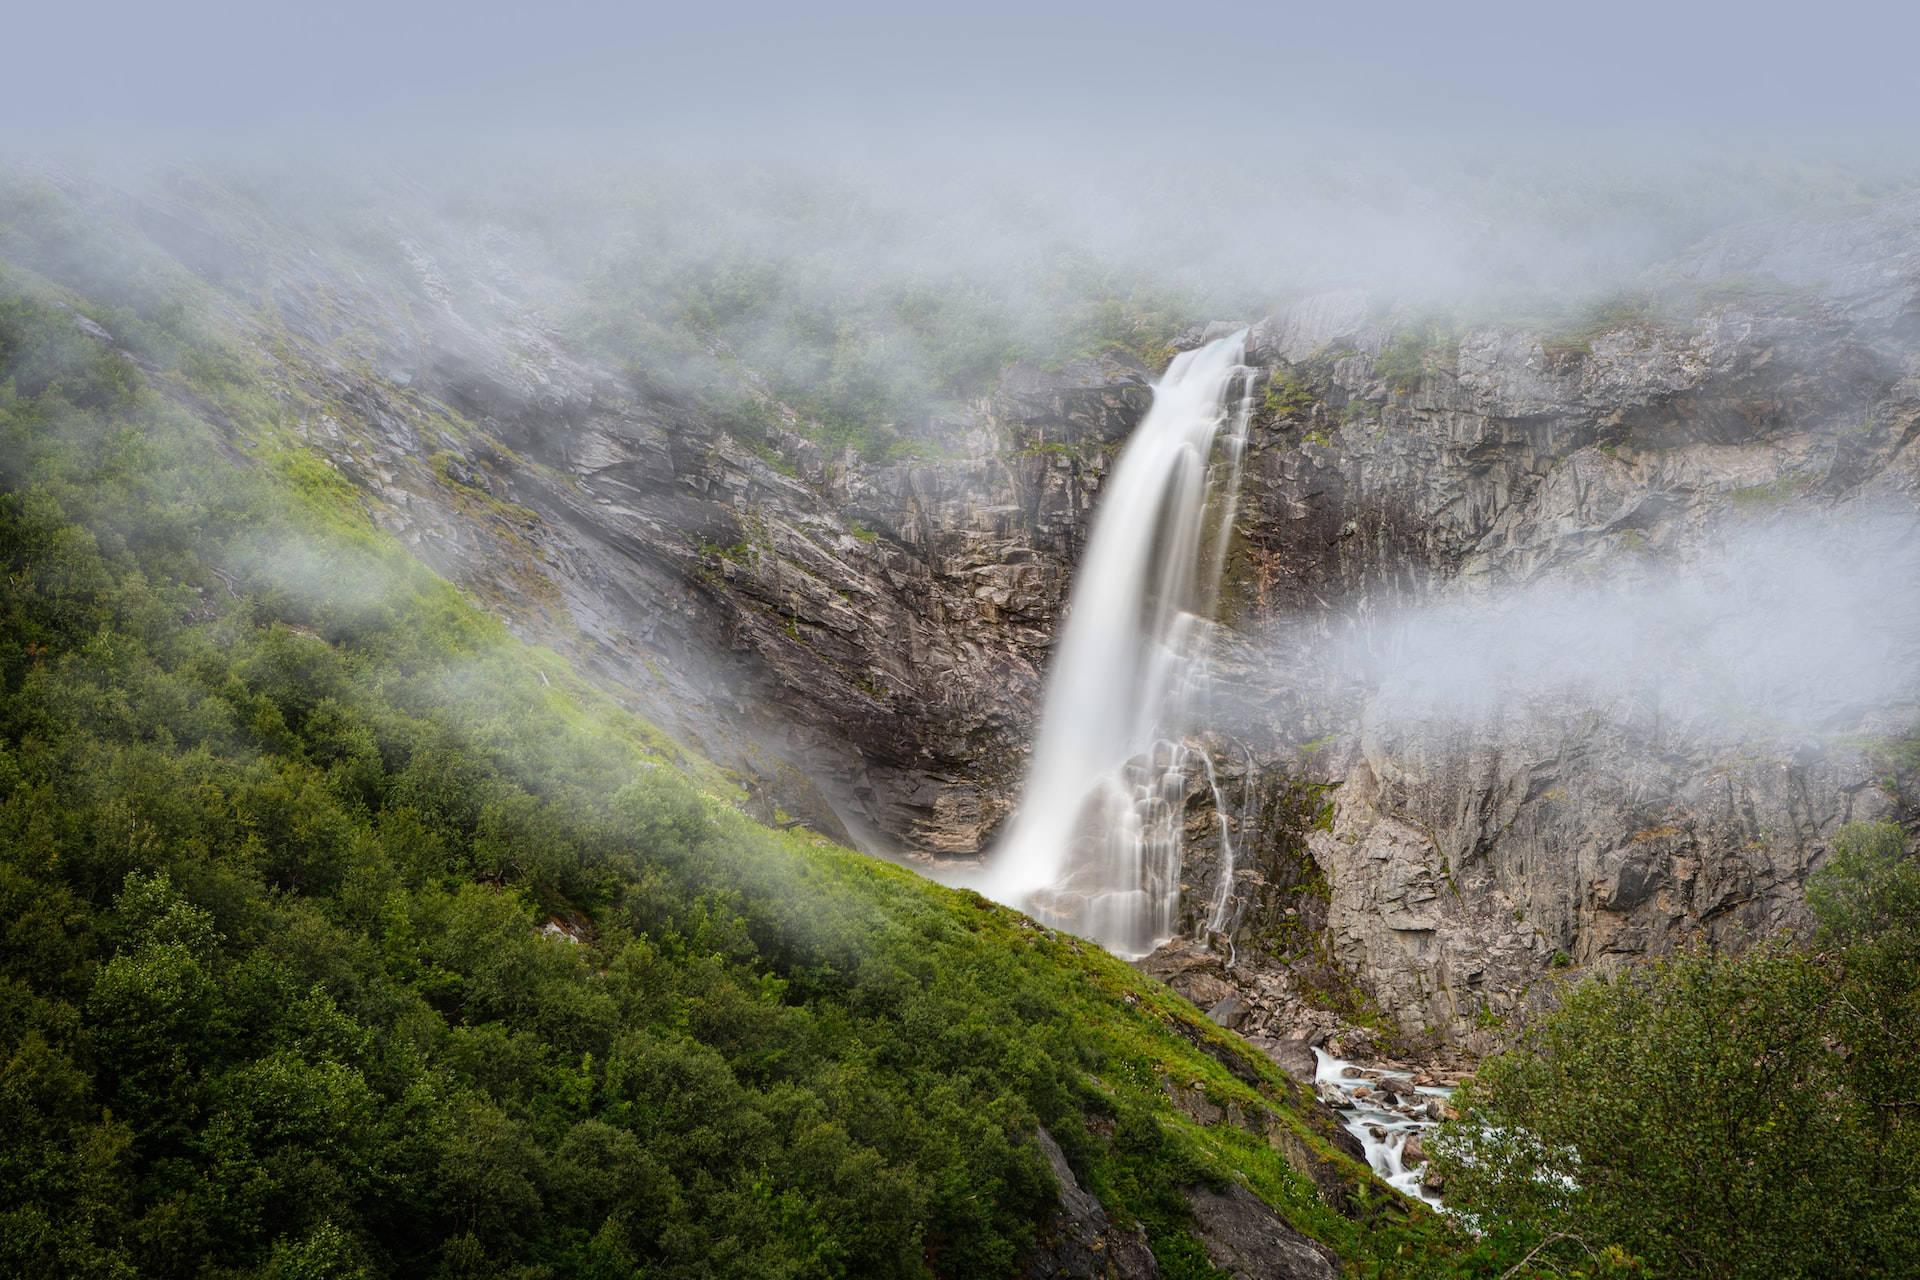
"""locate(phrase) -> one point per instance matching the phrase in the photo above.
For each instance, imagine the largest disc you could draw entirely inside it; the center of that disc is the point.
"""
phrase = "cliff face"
(1466, 861)
(864, 643)
(859, 642)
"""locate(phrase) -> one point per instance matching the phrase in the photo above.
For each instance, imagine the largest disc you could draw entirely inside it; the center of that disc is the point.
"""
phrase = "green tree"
(1715, 1115)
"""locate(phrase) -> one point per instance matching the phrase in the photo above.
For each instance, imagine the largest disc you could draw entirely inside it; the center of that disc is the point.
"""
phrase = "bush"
(1413, 352)
(1721, 1116)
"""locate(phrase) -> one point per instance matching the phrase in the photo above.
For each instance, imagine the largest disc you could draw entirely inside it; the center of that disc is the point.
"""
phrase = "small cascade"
(1386, 1110)
(1220, 919)
(1096, 845)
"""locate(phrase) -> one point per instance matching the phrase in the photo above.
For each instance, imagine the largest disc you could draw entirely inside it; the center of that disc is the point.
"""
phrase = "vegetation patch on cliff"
(1414, 351)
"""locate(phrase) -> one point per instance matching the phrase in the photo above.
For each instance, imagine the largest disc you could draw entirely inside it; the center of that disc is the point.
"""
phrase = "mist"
(1493, 157)
(847, 222)
(1768, 633)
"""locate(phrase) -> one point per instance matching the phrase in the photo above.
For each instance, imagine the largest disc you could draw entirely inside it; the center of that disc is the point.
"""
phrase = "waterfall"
(1095, 847)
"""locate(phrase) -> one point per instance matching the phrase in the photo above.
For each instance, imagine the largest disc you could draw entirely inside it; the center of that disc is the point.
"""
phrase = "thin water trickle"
(1096, 845)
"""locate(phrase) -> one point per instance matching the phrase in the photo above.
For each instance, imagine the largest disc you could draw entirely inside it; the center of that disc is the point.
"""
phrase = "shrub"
(1716, 1115)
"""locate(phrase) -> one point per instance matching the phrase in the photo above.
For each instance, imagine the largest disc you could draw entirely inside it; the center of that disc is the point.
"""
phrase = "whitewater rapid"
(1386, 1117)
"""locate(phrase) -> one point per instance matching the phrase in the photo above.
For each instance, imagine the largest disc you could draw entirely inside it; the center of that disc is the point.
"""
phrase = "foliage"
(1572, 336)
(1287, 395)
(1869, 891)
(1772, 493)
(1721, 1116)
(1414, 350)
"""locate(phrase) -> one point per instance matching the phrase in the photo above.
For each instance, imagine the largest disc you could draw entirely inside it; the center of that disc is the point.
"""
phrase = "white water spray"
(1096, 846)
(1383, 1126)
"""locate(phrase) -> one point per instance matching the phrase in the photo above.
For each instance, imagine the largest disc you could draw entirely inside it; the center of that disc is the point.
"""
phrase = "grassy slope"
(282, 815)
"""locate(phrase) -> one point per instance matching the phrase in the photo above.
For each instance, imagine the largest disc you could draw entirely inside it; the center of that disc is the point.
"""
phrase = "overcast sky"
(256, 70)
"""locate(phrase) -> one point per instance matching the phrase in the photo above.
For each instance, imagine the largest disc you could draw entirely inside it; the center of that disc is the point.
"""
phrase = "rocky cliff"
(862, 643)
(1465, 862)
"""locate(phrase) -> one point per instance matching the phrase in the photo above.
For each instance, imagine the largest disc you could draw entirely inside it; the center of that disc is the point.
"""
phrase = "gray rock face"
(1461, 870)
(1465, 862)
(1082, 1243)
(1311, 326)
(1248, 1241)
(860, 642)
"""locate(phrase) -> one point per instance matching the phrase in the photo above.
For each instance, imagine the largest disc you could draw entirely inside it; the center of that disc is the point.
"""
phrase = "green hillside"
(283, 820)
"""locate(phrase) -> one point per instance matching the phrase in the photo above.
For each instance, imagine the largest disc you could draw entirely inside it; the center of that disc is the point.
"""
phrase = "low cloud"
(1799, 626)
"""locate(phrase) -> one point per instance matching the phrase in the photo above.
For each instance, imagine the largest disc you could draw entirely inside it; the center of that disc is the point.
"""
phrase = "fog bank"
(1803, 625)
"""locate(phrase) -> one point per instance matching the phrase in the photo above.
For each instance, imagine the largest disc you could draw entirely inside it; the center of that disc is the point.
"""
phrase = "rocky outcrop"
(1248, 1241)
(859, 643)
(870, 635)
(1082, 1243)
(1466, 861)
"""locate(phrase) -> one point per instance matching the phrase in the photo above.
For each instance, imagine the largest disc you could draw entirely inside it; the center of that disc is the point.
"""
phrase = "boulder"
(1229, 1013)
(1295, 1057)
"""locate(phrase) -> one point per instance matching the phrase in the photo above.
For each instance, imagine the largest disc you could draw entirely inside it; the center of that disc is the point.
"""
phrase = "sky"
(221, 72)
(1464, 151)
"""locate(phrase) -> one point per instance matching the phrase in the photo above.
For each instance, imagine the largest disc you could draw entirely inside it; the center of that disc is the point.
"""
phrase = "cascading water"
(1096, 846)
